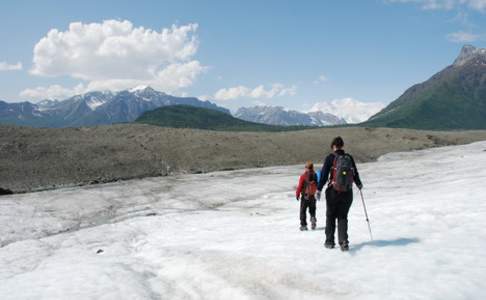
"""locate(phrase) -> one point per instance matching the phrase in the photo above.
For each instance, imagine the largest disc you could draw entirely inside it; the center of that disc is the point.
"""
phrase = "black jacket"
(326, 169)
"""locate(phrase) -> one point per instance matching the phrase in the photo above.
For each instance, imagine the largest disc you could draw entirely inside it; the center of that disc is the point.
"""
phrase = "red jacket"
(302, 179)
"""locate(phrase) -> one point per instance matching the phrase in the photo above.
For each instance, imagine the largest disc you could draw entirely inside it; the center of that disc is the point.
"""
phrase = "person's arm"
(326, 169)
(298, 191)
(356, 177)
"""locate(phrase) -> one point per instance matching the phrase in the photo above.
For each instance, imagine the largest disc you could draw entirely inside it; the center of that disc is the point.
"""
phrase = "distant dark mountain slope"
(277, 115)
(94, 108)
(23, 113)
(184, 116)
(454, 98)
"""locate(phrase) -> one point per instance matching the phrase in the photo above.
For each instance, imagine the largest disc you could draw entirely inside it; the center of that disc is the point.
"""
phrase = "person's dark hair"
(338, 142)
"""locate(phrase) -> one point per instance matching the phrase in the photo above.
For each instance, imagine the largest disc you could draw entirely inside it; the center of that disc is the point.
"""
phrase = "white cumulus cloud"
(115, 55)
(463, 37)
(275, 90)
(352, 110)
(4, 66)
(322, 78)
(232, 93)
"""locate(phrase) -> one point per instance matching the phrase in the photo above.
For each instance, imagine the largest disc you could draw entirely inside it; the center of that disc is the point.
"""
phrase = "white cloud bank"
(52, 92)
(353, 111)
(4, 66)
(479, 5)
(115, 55)
(259, 92)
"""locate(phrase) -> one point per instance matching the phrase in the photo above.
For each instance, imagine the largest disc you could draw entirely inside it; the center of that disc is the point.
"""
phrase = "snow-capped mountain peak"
(94, 103)
(46, 104)
(469, 52)
(145, 93)
(139, 88)
(278, 115)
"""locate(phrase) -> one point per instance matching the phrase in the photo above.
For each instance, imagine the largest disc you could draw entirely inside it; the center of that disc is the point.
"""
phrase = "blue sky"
(289, 53)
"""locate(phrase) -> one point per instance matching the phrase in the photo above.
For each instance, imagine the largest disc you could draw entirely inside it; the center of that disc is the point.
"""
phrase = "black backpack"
(342, 177)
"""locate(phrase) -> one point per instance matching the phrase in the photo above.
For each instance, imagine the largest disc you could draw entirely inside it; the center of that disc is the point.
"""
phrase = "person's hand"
(297, 198)
(360, 186)
(318, 196)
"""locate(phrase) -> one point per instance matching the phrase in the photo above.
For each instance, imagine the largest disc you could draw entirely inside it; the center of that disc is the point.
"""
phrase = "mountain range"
(454, 98)
(277, 115)
(94, 108)
(101, 108)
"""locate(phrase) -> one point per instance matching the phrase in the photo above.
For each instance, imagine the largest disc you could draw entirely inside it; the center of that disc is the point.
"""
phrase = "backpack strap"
(306, 182)
(333, 169)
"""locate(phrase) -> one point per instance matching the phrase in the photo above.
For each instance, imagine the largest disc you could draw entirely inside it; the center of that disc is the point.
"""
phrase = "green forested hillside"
(183, 116)
(454, 98)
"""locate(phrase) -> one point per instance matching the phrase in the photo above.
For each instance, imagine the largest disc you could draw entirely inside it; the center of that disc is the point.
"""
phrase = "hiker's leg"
(345, 201)
(330, 215)
(312, 207)
(312, 212)
(303, 208)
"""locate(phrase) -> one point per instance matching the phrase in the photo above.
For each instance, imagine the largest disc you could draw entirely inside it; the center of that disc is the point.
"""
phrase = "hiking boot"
(303, 228)
(329, 245)
(344, 247)
(313, 223)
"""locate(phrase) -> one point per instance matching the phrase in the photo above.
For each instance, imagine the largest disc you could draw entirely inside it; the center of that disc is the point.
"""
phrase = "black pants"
(304, 204)
(337, 207)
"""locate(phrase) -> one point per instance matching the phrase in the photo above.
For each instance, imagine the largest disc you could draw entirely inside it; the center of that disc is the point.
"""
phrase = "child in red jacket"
(306, 190)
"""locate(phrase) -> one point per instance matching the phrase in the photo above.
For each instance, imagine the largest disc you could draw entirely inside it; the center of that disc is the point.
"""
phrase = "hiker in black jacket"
(341, 170)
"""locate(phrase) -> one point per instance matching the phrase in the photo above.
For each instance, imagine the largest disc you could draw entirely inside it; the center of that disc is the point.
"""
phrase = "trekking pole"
(366, 214)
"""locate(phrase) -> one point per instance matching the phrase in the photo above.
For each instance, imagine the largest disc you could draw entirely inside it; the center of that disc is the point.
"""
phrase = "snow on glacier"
(234, 235)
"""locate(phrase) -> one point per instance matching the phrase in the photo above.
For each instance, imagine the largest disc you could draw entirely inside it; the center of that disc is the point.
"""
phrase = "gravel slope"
(35, 159)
